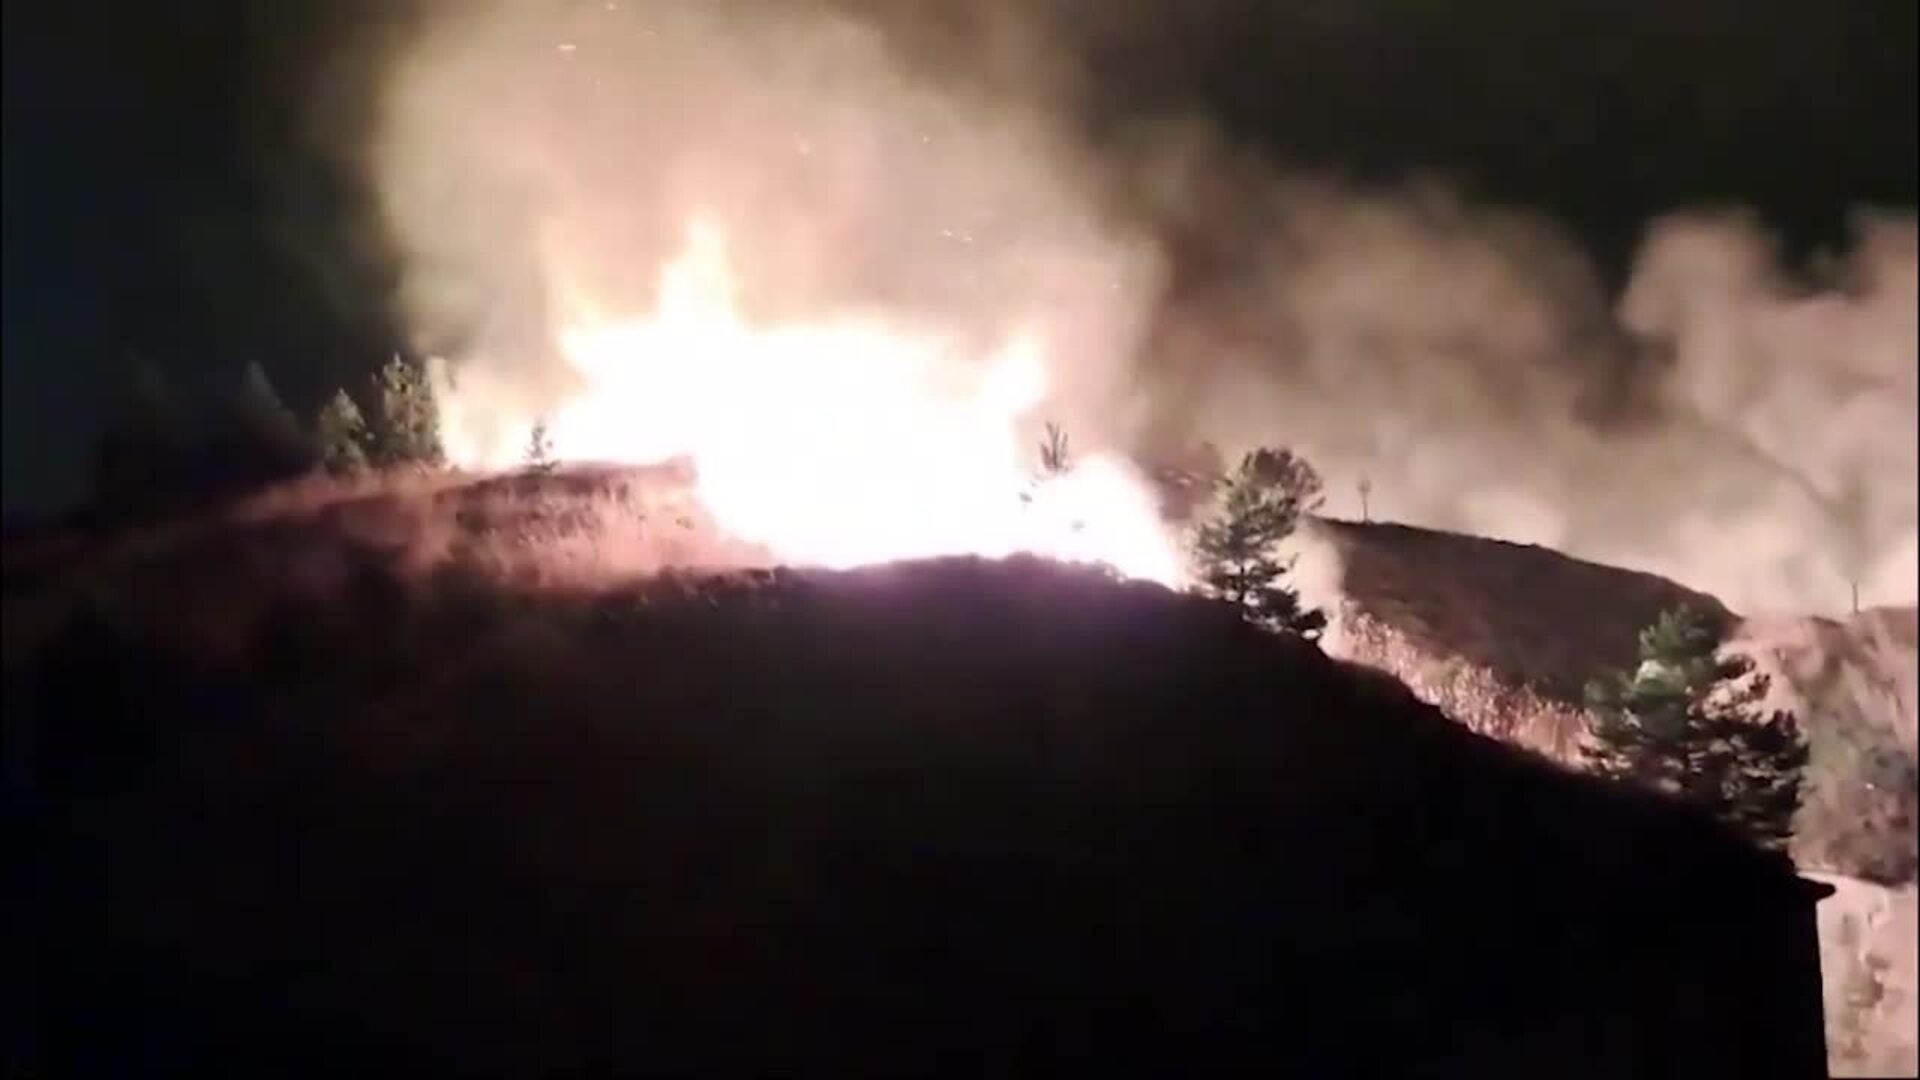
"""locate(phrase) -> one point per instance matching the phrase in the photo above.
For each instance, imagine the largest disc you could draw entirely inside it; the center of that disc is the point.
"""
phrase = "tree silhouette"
(539, 455)
(407, 430)
(1055, 456)
(1236, 545)
(264, 416)
(146, 433)
(1688, 722)
(343, 435)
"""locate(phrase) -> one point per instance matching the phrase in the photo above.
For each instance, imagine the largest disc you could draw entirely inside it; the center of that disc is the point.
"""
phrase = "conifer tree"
(145, 435)
(149, 407)
(407, 429)
(1688, 722)
(265, 416)
(1236, 544)
(539, 453)
(343, 436)
(1056, 457)
(1054, 462)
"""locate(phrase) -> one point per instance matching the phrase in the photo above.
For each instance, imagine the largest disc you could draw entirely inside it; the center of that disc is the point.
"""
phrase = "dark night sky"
(162, 194)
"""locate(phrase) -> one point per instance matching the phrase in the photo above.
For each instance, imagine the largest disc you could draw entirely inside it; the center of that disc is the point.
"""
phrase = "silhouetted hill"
(949, 818)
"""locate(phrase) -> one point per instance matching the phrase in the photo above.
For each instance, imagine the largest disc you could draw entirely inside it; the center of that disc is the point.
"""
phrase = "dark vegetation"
(1865, 791)
(955, 818)
(1687, 720)
(1531, 627)
(169, 449)
(1236, 542)
(1862, 799)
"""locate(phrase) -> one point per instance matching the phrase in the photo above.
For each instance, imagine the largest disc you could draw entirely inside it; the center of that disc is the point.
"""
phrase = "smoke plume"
(1725, 420)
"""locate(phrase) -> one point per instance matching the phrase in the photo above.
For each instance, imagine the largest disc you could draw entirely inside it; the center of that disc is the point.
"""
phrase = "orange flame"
(842, 442)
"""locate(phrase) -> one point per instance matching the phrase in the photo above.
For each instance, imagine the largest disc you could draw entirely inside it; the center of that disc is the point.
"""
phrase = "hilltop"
(434, 805)
(578, 527)
(1502, 636)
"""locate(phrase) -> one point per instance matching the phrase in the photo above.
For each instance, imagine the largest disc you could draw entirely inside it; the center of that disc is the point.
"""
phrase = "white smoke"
(1719, 421)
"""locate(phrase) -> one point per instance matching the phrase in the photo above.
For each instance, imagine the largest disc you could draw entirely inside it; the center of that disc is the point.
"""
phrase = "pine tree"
(539, 448)
(1055, 461)
(1236, 545)
(146, 434)
(343, 436)
(265, 417)
(407, 430)
(149, 407)
(1056, 458)
(1688, 722)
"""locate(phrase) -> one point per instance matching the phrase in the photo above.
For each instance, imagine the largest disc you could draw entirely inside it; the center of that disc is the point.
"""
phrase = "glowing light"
(841, 442)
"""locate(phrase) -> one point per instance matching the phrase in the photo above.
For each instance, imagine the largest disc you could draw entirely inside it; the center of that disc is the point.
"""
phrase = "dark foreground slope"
(957, 818)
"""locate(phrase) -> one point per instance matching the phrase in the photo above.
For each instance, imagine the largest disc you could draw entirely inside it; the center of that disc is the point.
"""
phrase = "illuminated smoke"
(1720, 422)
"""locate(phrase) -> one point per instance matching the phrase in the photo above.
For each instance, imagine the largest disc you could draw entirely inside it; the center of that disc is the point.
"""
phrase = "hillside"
(1543, 620)
(956, 817)
(1504, 636)
(573, 528)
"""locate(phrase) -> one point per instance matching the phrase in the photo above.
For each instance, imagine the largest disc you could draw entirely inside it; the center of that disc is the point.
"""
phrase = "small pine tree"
(145, 435)
(1236, 545)
(539, 448)
(149, 407)
(407, 430)
(1055, 456)
(265, 416)
(1688, 722)
(257, 391)
(343, 436)
(1055, 461)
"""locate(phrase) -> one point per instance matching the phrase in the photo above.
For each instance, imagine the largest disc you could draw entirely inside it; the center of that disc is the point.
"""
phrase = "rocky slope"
(1504, 637)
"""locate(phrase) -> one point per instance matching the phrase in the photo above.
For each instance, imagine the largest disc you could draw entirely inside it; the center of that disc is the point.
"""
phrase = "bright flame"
(839, 443)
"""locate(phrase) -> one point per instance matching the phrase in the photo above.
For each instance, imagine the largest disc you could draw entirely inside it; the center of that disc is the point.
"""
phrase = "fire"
(841, 442)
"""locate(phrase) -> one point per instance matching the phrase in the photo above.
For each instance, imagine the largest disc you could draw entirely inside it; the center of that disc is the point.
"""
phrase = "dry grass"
(579, 527)
(1867, 956)
(1502, 637)
(1853, 682)
(1535, 618)
(1474, 695)
(1862, 664)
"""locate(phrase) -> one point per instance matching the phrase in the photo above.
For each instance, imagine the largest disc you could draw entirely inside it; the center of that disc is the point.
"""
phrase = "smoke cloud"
(1726, 421)
(540, 161)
